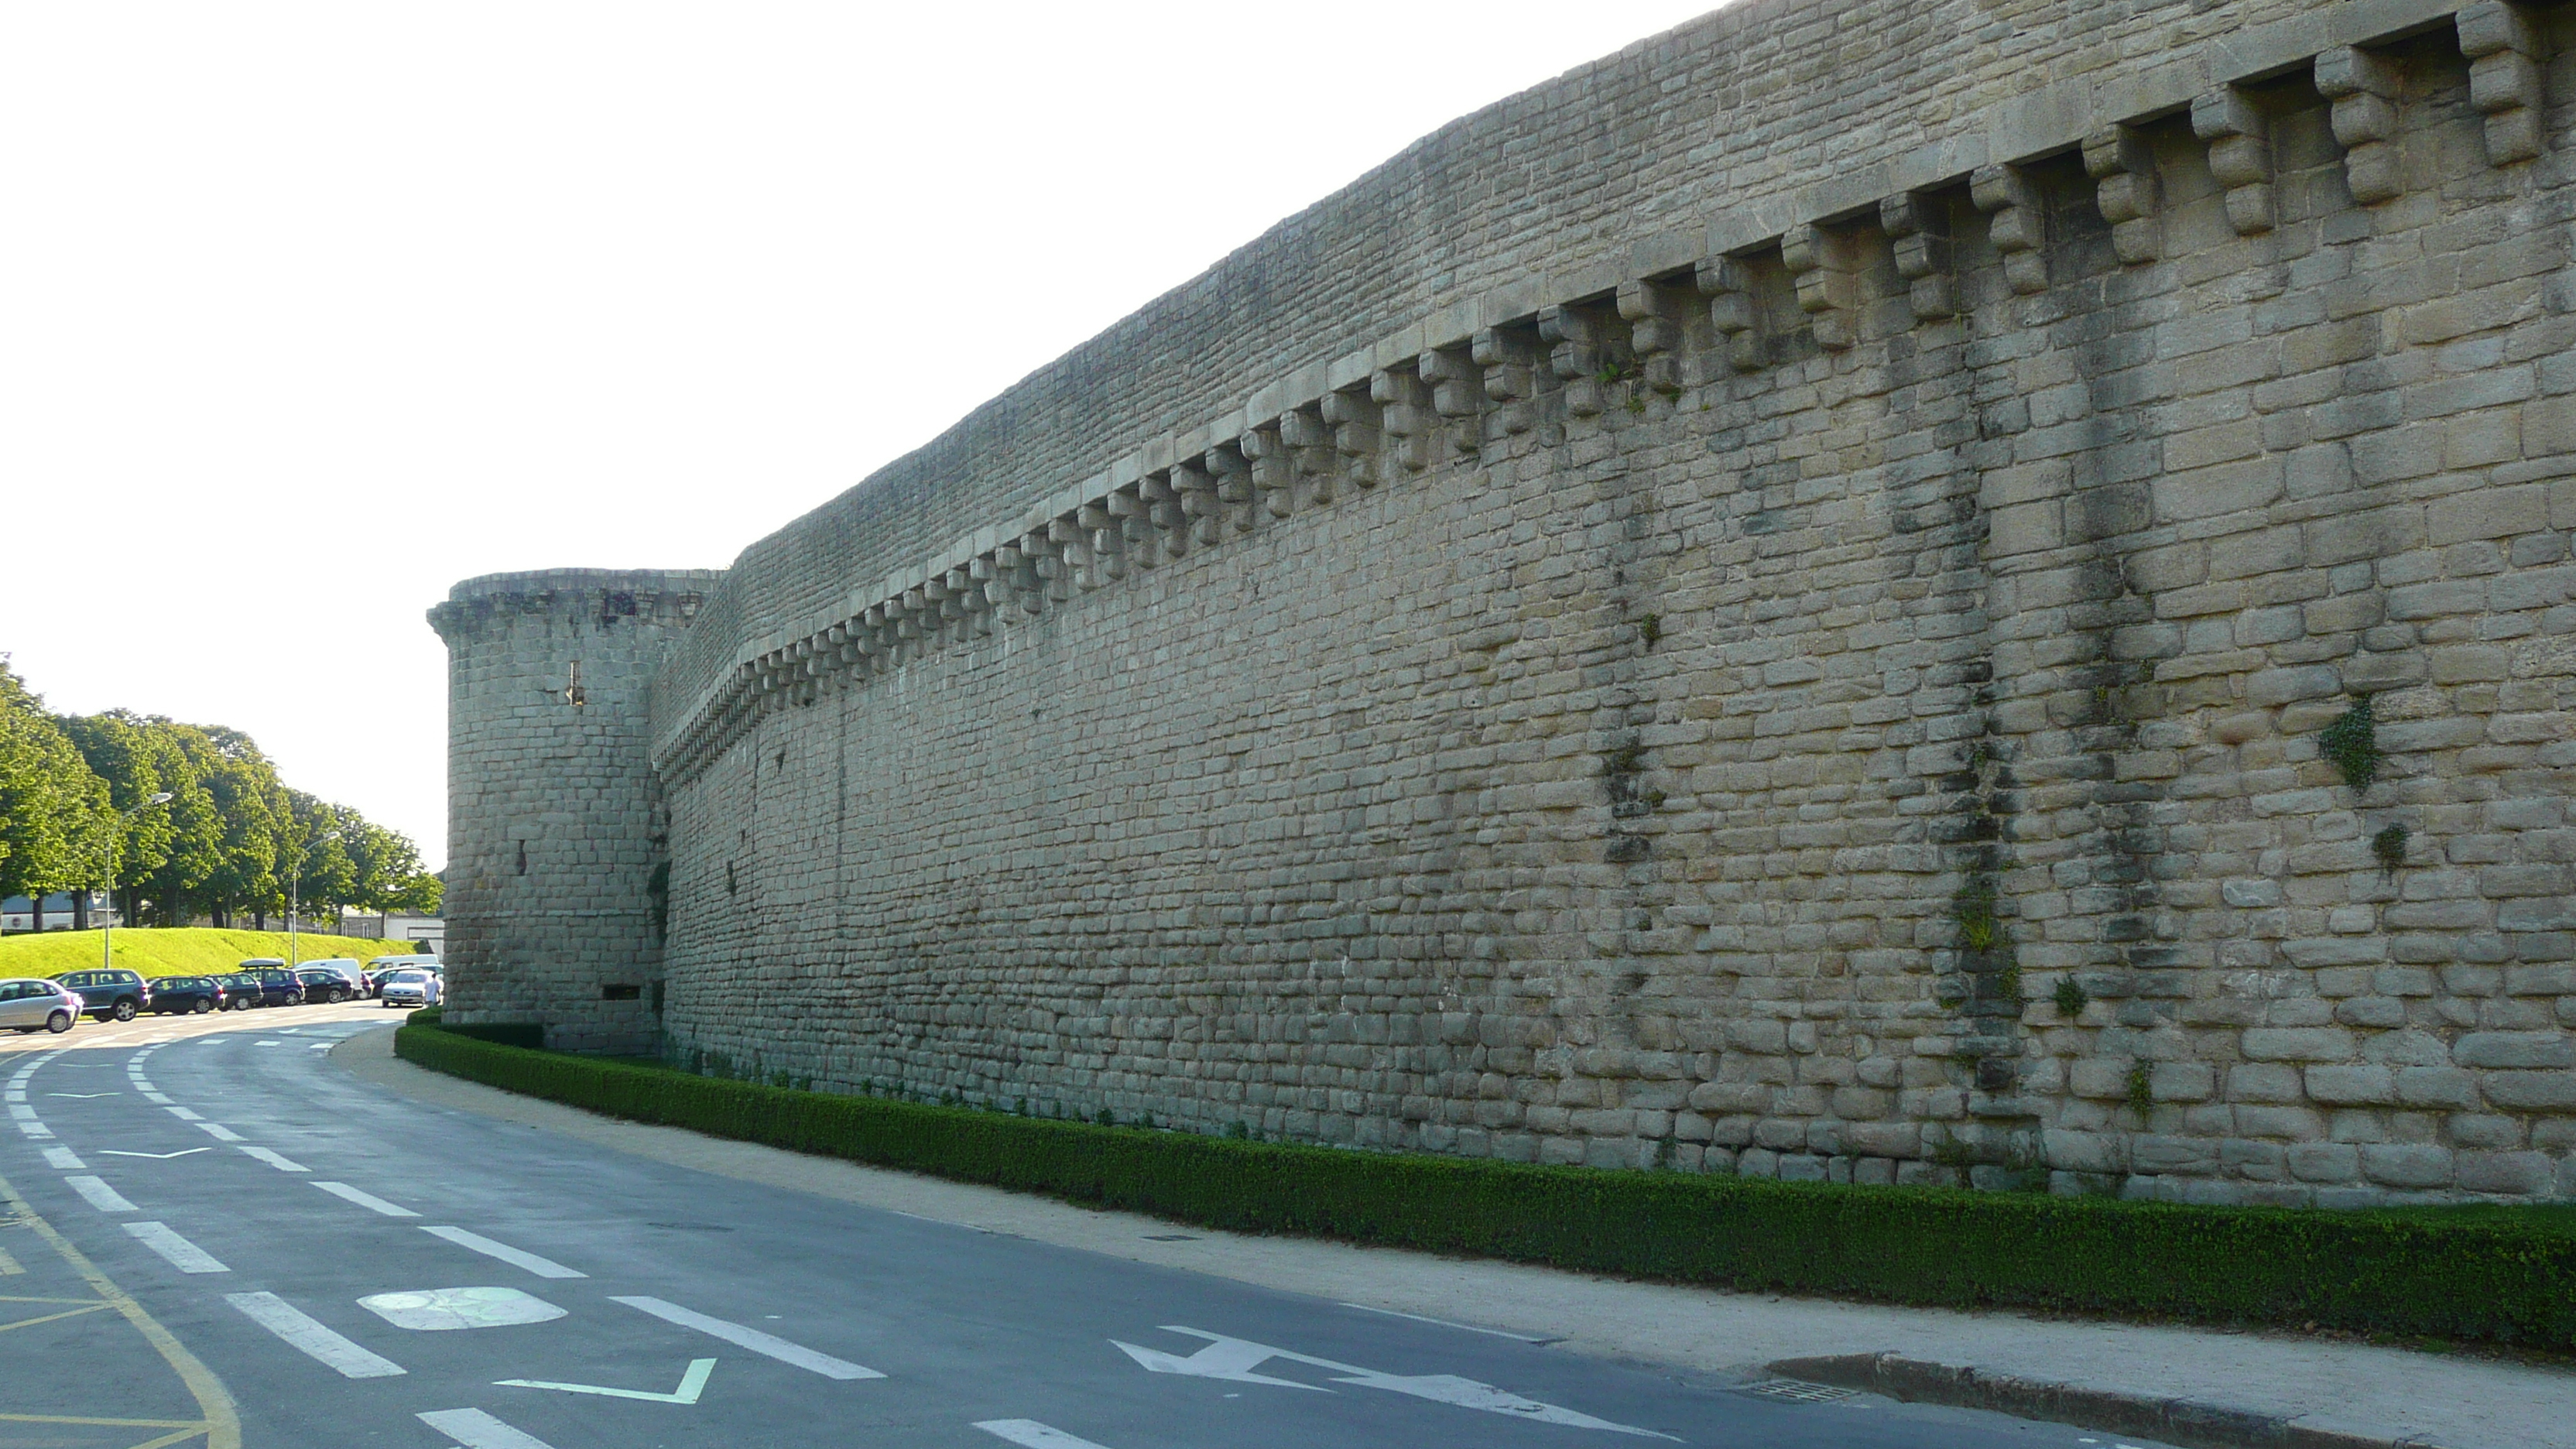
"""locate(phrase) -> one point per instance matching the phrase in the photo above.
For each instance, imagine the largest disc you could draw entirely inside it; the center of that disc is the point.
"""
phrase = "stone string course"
(1772, 605)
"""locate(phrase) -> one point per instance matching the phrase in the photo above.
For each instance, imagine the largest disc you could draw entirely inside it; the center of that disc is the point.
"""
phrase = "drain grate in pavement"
(1797, 1391)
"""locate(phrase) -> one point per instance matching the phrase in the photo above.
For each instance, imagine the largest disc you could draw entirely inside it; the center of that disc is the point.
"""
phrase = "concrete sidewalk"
(2183, 1385)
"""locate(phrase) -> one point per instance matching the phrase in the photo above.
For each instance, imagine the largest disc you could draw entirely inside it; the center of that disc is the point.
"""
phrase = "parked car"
(383, 966)
(34, 1004)
(277, 985)
(410, 986)
(324, 986)
(188, 995)
(241, 991)
(110, 991)
(344, 967)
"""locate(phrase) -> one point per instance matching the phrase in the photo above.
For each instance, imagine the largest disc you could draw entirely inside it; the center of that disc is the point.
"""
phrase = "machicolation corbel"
(2123, 168)
(1728, 285)
(2240, 155)
(1823, 264)
(2363, 87)
(2504, 78)
(1919, 228)
(2016, 223)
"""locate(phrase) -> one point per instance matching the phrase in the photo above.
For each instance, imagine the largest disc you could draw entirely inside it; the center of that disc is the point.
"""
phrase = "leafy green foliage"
(2070, 997)
(177, 951)
(2351, 744)
(2352, 1271)
(54, 818)
(2389, 845)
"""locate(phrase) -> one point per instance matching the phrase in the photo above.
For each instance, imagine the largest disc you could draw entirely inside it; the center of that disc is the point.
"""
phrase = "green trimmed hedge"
(1945, 1247)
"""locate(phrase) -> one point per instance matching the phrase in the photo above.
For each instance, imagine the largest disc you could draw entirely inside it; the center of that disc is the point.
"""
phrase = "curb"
(2184, 1422)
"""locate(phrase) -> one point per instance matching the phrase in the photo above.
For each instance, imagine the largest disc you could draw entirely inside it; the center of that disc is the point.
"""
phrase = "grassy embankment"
(187, 951)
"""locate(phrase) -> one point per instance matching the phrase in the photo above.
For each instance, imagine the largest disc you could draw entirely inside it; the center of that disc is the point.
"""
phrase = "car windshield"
(411, 978)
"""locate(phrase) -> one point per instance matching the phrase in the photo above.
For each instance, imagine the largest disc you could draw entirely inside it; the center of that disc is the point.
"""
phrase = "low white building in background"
(430, 931)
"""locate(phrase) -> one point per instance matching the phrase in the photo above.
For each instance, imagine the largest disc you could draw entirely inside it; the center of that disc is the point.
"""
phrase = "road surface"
(214, 1235)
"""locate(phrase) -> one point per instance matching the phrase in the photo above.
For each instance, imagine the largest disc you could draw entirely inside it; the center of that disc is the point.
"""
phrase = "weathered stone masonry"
(1776, 604)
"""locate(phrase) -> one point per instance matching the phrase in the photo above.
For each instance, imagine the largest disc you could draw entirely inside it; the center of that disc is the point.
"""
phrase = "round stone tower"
(555, 828)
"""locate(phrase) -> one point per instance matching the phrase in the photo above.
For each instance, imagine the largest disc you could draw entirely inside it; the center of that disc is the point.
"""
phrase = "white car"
(410, 986)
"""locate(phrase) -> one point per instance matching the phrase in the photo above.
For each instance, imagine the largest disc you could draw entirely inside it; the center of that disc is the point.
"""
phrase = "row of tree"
(232, 840)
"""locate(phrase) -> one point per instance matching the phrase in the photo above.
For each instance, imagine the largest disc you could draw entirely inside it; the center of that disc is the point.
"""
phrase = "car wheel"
(59, 1022)
(338, 996)
(201, 1008)
(124, 1010)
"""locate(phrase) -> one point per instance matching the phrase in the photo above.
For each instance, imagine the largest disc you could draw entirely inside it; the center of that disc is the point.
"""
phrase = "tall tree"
(137, 763)
(54, 816)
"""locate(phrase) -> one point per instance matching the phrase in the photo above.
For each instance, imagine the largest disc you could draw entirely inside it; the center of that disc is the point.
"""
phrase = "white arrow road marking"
(1232, 1358)
(478, 1430)
(219, 1131)
(753, 1339)
(1229, 1359)
(271, 1158)
(691, 1383)
(542, 1267)
(61, 1159)
(366, 1200)
(1030, 1434)
(316, 1339)
(185, 1256)
(100, 1196)
(155, 1156)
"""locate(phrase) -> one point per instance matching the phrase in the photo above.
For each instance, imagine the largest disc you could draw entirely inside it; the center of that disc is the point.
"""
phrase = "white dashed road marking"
(1030, 1434)
(185, 1256)
(100, 1196)
(61, 1160)
(183, 1114)
(313, 1337)
(753, 1339)
(273, 1159)
(542, 1267)
(478, 1430)
(219, 1131)
(366, 1200)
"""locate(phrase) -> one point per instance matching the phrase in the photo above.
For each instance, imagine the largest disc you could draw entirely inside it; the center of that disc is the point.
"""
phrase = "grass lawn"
(187, 951)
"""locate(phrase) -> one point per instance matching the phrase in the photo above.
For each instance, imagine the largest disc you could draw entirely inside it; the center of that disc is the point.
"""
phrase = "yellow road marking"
(222, 1423)
(194, 1428)
(50, 1317)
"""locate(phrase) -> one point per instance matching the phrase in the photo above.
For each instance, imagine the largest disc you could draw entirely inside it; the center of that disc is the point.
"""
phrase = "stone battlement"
(1868, 590)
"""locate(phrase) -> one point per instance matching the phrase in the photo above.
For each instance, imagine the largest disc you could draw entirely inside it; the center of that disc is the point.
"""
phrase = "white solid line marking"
(102, 1197)
(282, 1164)
(183, 1114)
(219, 1131)
(542, 1267)
(291, 1323)
(185, 1256)
(61, 1160)
(478, 1430)
(1030, 1434)
(1445, 1323)
(753, 1339)
(366, 1200)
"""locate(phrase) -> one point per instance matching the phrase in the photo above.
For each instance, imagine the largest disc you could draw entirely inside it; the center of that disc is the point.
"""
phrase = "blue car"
(110, 992)
(187, 995)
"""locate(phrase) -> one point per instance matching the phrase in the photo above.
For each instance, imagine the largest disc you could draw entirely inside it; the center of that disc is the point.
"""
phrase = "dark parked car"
(325, 986)
(110, 991)
(277, 985)
(188, 995)
(241, 991)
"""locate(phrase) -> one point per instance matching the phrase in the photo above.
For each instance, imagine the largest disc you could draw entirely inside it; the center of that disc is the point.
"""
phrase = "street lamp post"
(295, 891)
(115, 842)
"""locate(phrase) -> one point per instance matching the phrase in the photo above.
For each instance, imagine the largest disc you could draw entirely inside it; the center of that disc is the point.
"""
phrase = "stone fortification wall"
(1866, 590)
(555, 822)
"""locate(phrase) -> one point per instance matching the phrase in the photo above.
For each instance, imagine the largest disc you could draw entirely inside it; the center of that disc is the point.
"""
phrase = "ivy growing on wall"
(2351, 744)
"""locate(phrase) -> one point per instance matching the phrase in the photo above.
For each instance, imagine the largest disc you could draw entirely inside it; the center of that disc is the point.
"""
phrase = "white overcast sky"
(309, 311)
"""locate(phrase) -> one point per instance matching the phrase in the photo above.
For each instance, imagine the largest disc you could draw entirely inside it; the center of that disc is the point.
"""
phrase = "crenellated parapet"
(1568, 341)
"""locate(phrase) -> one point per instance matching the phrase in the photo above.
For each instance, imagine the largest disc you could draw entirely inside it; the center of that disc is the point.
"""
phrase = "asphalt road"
(213, 1235)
